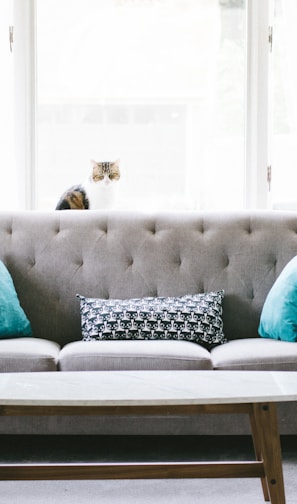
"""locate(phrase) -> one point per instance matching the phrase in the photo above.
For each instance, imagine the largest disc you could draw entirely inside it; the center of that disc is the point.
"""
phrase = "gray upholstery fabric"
(28, 354)
(255, 354)
(133, 355)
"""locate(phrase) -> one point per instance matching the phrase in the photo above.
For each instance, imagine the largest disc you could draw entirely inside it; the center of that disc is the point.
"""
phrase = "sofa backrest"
(52, 256)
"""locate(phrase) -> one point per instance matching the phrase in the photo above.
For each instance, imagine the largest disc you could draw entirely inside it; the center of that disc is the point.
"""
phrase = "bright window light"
(156, 83)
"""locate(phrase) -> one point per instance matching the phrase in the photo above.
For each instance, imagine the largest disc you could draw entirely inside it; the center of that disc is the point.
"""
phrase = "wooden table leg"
(258, 452)
(267, 446)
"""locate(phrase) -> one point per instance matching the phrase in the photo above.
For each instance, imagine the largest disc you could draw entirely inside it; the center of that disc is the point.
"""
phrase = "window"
(159, 84)
(185, 92)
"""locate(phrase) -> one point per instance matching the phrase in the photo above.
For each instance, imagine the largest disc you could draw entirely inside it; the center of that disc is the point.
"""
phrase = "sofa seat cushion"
(28, 354)
(256, 354)
(133, 355)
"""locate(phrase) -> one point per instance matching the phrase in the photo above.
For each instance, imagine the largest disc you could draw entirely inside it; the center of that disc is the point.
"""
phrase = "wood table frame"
(264, 429)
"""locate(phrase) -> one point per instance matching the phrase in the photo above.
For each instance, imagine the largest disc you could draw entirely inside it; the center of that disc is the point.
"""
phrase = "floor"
(77, 449)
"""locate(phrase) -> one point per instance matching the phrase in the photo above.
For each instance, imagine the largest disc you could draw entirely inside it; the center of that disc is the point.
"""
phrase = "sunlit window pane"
(156, 83)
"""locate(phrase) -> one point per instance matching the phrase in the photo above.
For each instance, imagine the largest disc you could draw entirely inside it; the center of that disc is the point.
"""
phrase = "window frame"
(24, 49)
(258, 103)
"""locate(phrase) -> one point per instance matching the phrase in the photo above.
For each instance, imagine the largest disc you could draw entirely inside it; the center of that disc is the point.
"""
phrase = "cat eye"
(114, 176)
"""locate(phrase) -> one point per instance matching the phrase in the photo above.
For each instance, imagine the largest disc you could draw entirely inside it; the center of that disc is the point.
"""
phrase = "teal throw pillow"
(13, 321)
(279, 315)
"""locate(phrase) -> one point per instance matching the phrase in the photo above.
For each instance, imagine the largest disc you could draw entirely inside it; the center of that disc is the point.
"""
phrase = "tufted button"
(32, 261)
(247, 227)
(152, 229)
(200, 287)
(78, 264)
(251, 294)
(201, 229)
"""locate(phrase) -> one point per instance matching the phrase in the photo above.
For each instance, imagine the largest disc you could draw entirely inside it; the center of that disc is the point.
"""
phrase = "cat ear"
(94, 163)
(117, 163)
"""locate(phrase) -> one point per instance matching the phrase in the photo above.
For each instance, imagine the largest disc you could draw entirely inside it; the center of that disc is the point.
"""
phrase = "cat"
(97, 192)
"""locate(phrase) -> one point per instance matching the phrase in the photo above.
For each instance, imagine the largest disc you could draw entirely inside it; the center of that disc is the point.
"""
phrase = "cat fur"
(97, 192)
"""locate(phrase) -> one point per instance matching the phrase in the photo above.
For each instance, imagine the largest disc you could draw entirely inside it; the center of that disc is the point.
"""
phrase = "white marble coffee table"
(156, 392)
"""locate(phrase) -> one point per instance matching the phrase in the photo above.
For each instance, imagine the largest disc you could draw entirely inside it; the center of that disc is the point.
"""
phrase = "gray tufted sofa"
(52, 256)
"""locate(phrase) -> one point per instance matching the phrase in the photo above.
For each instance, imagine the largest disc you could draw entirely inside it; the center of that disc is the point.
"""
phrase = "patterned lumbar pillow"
(196, 318)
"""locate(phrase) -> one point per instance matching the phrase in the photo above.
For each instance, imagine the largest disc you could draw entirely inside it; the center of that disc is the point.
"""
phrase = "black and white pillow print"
(196, 318)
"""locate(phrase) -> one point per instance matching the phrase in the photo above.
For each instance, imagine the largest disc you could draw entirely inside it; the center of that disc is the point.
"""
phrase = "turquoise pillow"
(279, 315)
(13, 321)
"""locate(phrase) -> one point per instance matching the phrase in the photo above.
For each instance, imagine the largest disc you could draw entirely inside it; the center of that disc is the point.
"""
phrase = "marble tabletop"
(145, 388)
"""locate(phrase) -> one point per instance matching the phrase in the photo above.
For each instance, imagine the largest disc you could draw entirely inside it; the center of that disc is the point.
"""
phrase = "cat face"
(105, 172)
